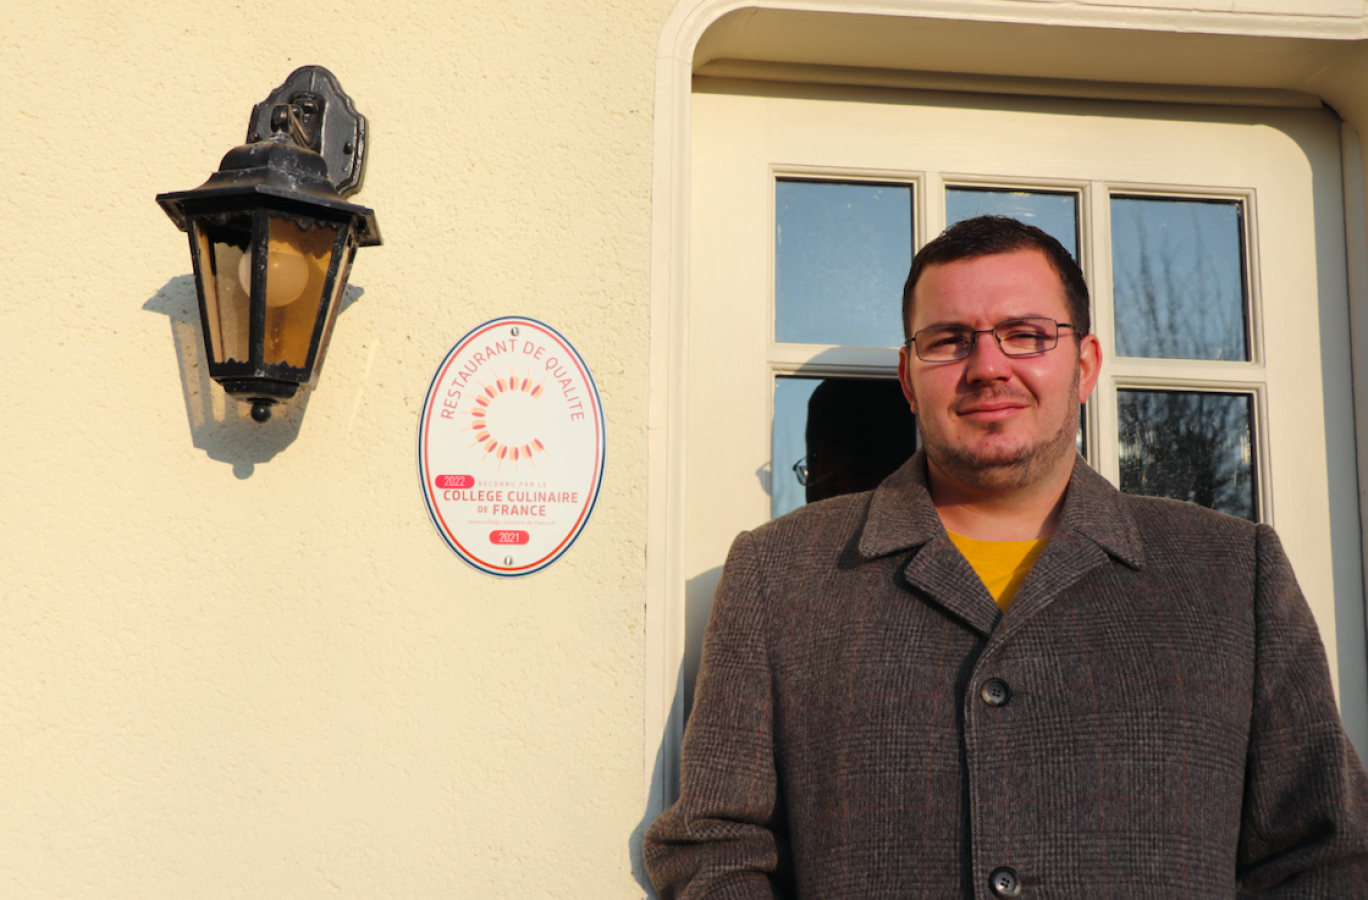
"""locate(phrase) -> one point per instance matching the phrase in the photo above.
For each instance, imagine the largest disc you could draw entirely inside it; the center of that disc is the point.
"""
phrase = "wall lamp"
(272, 239)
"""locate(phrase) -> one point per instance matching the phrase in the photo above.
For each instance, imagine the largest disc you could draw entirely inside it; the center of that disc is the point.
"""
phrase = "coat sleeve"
(1304, 829)
(723, 838)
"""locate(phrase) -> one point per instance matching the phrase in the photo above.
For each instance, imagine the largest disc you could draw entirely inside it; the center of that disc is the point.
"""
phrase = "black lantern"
(272, 239)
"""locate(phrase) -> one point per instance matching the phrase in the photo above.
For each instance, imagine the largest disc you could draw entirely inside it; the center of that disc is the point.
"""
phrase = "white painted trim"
(664, 638)
(900, 79)
(1338, 83)
(1356, 238)
(691, 18)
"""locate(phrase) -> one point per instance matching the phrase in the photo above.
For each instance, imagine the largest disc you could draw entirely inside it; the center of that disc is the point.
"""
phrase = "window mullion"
(1103, 441)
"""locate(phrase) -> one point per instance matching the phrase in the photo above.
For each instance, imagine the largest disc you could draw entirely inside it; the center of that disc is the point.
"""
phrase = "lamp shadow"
(220, 425)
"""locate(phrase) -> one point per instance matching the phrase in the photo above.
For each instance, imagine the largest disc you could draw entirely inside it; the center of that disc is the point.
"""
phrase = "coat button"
(995, 692)
(1005, 883)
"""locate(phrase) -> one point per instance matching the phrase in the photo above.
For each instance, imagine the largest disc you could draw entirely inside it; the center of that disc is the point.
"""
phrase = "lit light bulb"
(287, 274)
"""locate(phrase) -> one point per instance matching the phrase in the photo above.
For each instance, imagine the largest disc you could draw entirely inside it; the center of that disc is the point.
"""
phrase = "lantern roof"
(278, 173)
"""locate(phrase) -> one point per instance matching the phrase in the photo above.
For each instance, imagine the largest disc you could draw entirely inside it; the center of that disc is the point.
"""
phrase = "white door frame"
(1291, 58)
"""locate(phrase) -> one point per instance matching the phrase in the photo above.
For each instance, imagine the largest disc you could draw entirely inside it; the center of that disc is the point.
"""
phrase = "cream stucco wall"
(236, 660)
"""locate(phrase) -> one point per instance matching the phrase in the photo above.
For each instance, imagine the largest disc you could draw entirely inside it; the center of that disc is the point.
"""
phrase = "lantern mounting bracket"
(328, 124)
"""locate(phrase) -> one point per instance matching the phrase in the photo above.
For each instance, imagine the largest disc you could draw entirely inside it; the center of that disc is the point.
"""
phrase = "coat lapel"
(1094, 527)
(902, 517)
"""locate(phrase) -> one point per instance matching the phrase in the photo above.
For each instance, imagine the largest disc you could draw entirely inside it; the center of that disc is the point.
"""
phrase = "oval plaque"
(511, 446)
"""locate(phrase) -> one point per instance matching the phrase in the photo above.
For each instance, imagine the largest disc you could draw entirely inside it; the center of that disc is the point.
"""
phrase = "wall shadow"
(662, 793)
(219, 425)
(664, 789)
(698, 601)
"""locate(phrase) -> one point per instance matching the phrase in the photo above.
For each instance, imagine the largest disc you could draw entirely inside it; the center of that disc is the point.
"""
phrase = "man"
(1136, 703)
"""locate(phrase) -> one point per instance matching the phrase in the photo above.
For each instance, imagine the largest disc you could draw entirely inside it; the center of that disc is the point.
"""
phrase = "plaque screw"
(508, 560)
(515, 330)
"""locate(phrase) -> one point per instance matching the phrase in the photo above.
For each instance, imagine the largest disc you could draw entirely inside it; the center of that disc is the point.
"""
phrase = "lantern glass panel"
(213, 336)
(226, 299)
(347, 248)
(296, 269)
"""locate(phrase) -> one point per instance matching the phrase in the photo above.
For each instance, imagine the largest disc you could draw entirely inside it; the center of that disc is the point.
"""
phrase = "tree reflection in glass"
(1178, 278)
(1189, 445)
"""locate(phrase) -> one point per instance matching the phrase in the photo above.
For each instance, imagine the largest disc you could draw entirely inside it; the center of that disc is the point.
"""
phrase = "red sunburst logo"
(503, 419)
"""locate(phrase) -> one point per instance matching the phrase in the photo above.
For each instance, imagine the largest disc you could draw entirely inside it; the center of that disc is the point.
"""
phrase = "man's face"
(991, 422)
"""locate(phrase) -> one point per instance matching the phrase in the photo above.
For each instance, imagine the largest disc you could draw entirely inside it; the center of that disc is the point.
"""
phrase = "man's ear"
(1089, 365)
(905, 379)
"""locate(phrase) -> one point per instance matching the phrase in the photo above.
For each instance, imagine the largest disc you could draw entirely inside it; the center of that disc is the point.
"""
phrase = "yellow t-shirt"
(1001, 564)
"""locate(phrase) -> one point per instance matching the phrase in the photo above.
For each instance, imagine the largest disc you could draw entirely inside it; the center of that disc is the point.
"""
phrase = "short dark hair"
(989, 236)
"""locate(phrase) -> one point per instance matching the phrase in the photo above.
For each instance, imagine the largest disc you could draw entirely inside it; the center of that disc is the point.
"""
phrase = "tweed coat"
(1169, 731)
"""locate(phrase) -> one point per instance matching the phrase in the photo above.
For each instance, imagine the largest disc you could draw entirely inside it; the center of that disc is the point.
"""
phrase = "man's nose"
(986, 361)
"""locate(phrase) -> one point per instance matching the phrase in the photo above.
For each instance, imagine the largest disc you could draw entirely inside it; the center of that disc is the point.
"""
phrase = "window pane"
(841, 255)
(1055, 214)
(1178, 276)
(850, 433)
(1189, 445)
(791, 396)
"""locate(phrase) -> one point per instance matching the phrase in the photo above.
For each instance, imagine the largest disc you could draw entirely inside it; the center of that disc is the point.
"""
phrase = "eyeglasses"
(804, 473)
(1016, 337)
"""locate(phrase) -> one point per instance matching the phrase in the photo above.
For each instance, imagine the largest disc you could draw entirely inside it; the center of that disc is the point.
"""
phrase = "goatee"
(1003, 468)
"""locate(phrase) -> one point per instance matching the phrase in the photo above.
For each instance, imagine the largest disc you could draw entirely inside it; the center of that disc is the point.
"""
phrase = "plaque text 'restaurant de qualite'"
(511, 446)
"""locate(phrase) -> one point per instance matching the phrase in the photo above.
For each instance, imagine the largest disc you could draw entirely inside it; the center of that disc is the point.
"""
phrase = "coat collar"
(1095, 525)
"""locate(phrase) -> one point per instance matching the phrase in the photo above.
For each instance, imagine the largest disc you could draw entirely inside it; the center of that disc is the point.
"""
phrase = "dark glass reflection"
(1053, 213)
(1178, 278)
(1081, 439)
(851, 434)
(1189, 445)
(841, 255)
